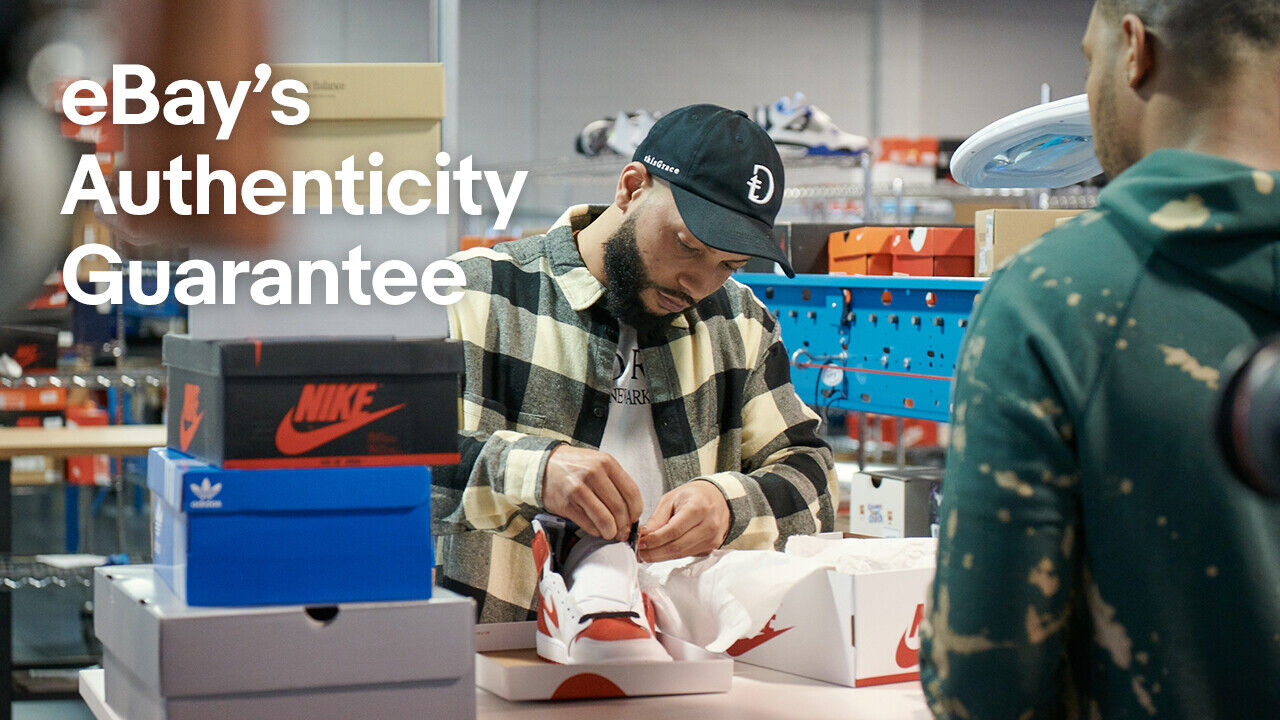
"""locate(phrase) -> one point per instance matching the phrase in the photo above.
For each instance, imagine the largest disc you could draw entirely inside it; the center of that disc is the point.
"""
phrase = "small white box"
(895, 503)
(855, 630)
(164, 660)
(508, 666)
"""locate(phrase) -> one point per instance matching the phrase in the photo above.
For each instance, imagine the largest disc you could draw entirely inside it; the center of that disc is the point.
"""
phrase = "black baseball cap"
(725, 174)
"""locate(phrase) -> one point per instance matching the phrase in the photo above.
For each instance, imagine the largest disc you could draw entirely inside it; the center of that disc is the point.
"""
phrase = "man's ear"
(634, 179)
(1138, 55)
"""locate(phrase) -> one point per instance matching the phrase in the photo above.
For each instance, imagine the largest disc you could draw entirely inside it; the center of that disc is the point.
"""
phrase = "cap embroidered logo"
(757, 182)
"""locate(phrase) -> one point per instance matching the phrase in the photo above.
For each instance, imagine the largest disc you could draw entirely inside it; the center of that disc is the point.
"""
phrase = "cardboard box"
(165, 660)
(854, 630)
(321, 535)
(32, 408)
(1001, 233)
(508, 666)
(254, 404)
(864, 251)
(895, 503)
(359, 108)
(934, 252)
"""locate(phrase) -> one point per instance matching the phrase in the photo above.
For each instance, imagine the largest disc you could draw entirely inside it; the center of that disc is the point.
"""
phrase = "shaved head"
(1206, 38)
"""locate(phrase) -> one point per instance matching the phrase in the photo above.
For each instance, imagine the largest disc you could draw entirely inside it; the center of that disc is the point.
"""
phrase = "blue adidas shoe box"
(296, 536)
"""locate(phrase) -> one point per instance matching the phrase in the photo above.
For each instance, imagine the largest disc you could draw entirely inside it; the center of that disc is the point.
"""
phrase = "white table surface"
(756, 693)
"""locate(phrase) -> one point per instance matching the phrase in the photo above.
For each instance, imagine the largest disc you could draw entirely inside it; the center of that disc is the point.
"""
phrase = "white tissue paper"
(730, 594)
(859, 555)
(716, 600)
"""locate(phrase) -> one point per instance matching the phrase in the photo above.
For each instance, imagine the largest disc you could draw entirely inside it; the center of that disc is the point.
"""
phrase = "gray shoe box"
(164, 660)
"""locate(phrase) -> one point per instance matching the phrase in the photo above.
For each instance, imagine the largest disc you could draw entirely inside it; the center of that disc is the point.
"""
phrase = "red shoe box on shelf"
(934, 252)
(864, 251)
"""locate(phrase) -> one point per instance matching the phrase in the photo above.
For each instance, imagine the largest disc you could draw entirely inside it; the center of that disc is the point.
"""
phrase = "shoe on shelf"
(593, 611)
(795, 124)
(629, 128)
(594, 138)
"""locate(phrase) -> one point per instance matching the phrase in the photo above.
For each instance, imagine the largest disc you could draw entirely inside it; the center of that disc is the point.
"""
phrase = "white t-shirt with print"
(629, 435)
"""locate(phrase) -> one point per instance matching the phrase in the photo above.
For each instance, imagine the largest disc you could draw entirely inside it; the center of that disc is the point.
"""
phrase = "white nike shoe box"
(164, 660)
(852, 629)
(508, 666)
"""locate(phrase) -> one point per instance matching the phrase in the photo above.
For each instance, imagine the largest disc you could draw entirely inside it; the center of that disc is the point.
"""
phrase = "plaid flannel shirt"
(539, 348)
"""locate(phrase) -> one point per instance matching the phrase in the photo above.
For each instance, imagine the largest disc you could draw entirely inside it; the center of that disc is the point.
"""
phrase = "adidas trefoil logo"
(206, 492)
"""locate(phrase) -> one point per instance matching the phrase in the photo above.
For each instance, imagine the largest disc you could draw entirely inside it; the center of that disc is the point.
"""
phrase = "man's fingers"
(600, 520)
(661, 514)
(697, 541)
(607, 493)
(628, 489)
(681, 521)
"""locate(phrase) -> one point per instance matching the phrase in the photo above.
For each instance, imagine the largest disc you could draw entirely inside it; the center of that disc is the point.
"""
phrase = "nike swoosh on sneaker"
(187, 427)
(292, 441)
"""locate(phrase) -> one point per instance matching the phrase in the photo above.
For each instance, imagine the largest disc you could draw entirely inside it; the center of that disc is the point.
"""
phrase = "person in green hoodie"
(1097, 558)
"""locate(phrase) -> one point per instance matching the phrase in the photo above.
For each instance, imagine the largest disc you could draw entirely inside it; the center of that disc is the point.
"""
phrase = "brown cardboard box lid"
(369, 91)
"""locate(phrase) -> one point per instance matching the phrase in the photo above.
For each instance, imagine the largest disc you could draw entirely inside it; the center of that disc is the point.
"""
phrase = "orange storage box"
(863, 251)
(934, 252)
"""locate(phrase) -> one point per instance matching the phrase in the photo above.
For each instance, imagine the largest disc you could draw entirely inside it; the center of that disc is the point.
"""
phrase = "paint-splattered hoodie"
(1097, 558)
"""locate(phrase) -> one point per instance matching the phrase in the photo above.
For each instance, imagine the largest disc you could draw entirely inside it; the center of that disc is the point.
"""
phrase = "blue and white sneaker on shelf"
(590, 608)
(594, 137)
(798, 127)
(629, 128)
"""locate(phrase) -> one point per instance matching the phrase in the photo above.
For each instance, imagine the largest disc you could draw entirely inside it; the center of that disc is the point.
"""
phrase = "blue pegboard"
(885, 345)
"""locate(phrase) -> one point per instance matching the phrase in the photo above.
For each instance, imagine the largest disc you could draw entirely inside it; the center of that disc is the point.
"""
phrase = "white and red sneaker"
(599, 615)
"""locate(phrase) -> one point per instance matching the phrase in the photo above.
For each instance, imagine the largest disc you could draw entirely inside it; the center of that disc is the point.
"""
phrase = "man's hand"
(693, 519)
(590, 488)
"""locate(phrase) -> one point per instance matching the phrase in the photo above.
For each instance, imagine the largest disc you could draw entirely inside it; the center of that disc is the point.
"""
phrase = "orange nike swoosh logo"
(906, 656)
(549, 610)
(187, 430)
(291, 441)
(747, 644)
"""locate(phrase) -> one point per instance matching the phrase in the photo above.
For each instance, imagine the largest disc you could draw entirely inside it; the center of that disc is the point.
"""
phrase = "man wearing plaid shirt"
(615, 373)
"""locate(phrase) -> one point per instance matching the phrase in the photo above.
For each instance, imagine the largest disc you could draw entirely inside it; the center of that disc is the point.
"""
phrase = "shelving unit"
(558, 183)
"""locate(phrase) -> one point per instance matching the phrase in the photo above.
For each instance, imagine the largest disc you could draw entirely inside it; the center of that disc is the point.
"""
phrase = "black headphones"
(1246, 419)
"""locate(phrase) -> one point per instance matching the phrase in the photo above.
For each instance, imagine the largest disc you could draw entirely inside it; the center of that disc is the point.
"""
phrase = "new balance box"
(895, 503)
(934, 252)
(165, 660)
(508, 666)
(314, 402)
(321, 535)
(854, 629)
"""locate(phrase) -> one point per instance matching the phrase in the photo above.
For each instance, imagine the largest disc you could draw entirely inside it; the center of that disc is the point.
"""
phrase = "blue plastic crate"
(298, 536)
(885, 345)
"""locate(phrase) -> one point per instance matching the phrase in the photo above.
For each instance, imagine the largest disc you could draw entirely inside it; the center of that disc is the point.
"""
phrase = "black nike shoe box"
(313, 402)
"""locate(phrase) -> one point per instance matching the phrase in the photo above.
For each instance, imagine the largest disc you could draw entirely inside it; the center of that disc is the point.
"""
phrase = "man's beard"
(1113, 154)
(627, 278)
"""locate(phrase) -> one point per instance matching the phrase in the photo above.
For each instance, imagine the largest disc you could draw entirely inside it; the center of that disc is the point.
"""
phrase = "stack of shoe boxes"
(292, 539)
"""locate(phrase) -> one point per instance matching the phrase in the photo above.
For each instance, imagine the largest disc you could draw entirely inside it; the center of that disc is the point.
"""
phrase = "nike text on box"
(508, 666)
(164, 660)
(316, 535)
(855, 630)
(323, 402)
